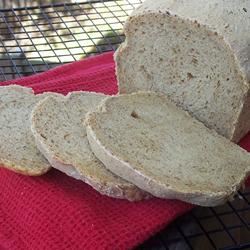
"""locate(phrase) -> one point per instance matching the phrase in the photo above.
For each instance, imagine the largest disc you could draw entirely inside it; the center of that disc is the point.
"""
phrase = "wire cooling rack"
(35, 39)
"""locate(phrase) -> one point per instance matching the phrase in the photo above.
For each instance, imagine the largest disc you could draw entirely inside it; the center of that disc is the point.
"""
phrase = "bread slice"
(57, 124)
(147, 140)
(196, 52)
(18, 150)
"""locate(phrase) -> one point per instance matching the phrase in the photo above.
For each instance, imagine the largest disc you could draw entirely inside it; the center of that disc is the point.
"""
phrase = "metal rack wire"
(224, 227)
(35, 39)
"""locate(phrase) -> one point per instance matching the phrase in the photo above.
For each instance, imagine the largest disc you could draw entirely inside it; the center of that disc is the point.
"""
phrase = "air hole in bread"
(134, 114)
(189, 76)
(43, 136)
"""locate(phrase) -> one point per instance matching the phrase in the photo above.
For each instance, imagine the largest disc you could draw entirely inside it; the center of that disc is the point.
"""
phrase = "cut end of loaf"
(191, 64)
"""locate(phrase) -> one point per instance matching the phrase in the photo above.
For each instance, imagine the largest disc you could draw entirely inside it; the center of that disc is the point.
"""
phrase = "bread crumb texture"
(18, 151)
(149, 141)
(196, 52)
(58, 126)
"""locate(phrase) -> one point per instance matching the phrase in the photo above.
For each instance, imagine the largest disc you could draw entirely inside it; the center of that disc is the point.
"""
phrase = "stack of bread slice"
(183, 101)
(130, 146)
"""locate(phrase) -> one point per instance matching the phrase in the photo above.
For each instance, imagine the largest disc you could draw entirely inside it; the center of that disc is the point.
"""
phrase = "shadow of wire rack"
(35, 39)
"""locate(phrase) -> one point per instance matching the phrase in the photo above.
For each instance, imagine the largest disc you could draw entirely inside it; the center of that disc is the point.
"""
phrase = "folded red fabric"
(55, 211)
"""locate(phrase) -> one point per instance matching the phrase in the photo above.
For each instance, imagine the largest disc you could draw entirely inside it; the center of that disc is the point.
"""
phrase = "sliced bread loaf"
(18, 151)
(149, 141)
(58, 126)
(196, 52)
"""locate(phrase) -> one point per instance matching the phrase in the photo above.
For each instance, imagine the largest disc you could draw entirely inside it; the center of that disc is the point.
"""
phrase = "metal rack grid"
(35, 39)
(225, 227)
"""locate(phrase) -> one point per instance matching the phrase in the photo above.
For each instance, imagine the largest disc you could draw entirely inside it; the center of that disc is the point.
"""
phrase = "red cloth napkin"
(57, 212)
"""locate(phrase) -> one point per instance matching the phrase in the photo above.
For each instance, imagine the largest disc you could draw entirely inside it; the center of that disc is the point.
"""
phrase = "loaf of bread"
(18, 151)
(195, 51)
(58, 127)
(149, 141)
